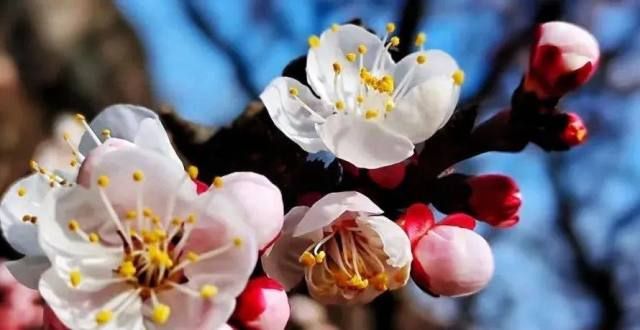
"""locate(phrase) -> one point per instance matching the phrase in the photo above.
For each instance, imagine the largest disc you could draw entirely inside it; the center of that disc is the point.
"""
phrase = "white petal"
(151, 135)
(220, 222)
(23, 236)
(189, 312)
(570, 38)
(395, 242)
(422, 111)
(123, 120)
(334, 46)
(332, 206)
(281, 261)
(28, 270)
(291, 117)
(262, 202)
(438, 63)
(363, 143)
(77, 309)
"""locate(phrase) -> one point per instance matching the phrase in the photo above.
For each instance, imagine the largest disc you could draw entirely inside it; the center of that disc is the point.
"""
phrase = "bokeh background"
(573, 262)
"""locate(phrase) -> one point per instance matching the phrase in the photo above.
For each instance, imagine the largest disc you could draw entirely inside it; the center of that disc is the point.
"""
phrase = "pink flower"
(343, 248)
(263, 305)
(20, 307)
(449, 258)
(563, 58)
(495, 199)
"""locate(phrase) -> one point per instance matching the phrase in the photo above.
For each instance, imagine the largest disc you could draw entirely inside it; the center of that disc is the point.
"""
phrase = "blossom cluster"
(134, 239)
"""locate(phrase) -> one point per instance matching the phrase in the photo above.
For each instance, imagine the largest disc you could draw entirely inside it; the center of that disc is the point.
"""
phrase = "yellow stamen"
(320, 257)
(359, 99)
(395, 41)
(138, 176)
(371, 114)
(379, 282)
(307, 259)
(237, 241)
(33, 165)
(390, 27)
(193, 172)
(362, 49)
(127, 269)
(176, 222)
(192, 256)
(340, 105)
(106, 133)
(314, 41)
(293, 91)
(131, 215)
(103, 181)
(421, 59)
(191, 219)
(22, 192)
(208, 291)
(337, 68)
(389, 105)
(161, 313)
(94, 238)
(66, 136)
(147, 212)
(458, 77)
(104, 316)
(73, 163)
(75, 277)
(351, 57)
(80, 118)
(421, 39)
(73, 225)
(218, 182)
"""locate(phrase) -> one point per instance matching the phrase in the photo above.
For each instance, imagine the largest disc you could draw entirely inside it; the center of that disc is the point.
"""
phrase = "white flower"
(21, 208)
(364, 108)
(345, 250)
(138, 248)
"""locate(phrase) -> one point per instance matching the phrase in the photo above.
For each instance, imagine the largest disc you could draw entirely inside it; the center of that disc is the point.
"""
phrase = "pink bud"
(575, 132)
(389, 177)
(495, 199)
(263, 305)
(94, 156)
(563, 58)
(452, 261)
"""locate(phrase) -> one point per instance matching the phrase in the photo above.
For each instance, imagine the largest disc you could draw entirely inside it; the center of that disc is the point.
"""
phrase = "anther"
(421, 39)
(73, 225)
(94, 238)
(80, 118)
(371, 114)
(458, 77)
(26, 218)
(293, 91)
(160, 314)
(395, 41)
(127, 269)
(75, 277)
(340, 105)
(351, 57)
(389, 105)
(104, 316)
(218, 182)
(421, 59)
(362, 49)
(314, 41)
(390, 27)
(307, 259)
(359, 99)
(106, 133)
(22, 191)
(237, 241)
(131, 215)
(320, 257)
(103, 181)
(138, 176)
(208, 291)
(337, 68)
(192, 256)
(191, 219)
(193, 172)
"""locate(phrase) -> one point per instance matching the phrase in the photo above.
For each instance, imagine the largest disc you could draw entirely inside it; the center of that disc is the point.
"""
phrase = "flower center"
(345, 259)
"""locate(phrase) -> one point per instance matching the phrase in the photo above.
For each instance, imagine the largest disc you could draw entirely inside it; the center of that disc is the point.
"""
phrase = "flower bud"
(452, 261)
(563, 58)
(263, 305)
(388, 177)
(494, 199)
(575, 132)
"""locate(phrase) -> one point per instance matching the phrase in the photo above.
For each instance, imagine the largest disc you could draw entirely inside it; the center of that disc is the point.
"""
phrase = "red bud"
(263, 305)
(575, 133)
(416, 221)
(495, 199)
(388, 177)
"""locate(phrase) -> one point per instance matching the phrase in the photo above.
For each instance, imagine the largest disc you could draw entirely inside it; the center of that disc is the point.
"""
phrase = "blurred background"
(573, 262)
